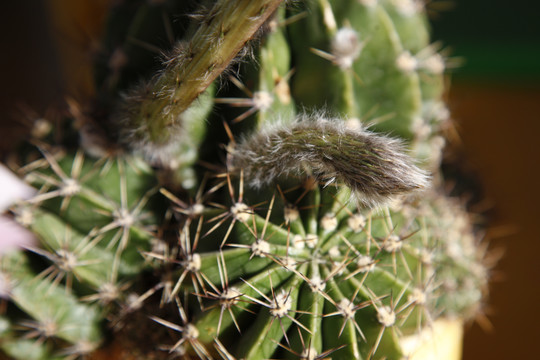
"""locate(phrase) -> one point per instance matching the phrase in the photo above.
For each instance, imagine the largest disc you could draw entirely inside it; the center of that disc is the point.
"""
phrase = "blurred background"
(494, 97)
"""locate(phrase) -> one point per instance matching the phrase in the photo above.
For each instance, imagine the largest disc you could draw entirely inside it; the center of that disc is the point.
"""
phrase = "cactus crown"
(315, 231)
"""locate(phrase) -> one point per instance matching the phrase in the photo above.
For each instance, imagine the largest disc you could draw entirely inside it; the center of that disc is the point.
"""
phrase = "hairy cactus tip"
(374, 166)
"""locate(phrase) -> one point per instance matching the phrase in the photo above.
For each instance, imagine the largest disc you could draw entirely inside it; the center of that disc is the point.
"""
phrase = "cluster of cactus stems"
(308, 225)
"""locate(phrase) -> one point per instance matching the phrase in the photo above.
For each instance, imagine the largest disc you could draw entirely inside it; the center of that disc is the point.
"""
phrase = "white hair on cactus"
(374, 166)
(281, 305)
(408, 8)
(290, 213)
(434, 64)
(365, 263)
(406, 62)
(309, 354)
(356, 222)
(386, 316)
(329, 222)
(346, 47)
(260, 248)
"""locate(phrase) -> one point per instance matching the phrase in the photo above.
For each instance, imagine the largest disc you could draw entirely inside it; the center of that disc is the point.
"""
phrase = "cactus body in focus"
(324, 276)
(317, 230)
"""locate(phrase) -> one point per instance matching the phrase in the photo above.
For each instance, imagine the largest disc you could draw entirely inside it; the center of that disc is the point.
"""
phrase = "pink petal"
(12, 188)
(14, 236)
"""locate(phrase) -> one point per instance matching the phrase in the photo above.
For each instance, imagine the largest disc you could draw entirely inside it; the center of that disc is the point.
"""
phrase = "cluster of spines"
(284, 273)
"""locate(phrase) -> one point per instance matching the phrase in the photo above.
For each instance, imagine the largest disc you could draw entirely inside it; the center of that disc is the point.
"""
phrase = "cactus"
(92, 219)
(318, 229)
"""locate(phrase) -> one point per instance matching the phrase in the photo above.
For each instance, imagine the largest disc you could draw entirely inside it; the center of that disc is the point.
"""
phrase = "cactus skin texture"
(318, 230)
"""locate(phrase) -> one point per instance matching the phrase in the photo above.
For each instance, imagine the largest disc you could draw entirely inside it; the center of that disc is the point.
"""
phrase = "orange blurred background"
(499, 125)
(494, 99)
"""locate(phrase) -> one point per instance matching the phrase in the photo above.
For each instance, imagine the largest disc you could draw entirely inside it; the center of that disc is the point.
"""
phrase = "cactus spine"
(314, 234)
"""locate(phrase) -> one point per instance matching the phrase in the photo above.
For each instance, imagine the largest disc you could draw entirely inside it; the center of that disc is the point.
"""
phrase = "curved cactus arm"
(268, 95)
(150, 112)
(372, 165)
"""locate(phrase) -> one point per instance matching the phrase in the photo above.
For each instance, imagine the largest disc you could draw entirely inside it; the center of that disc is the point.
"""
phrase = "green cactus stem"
(359, 48)
(152, 111)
